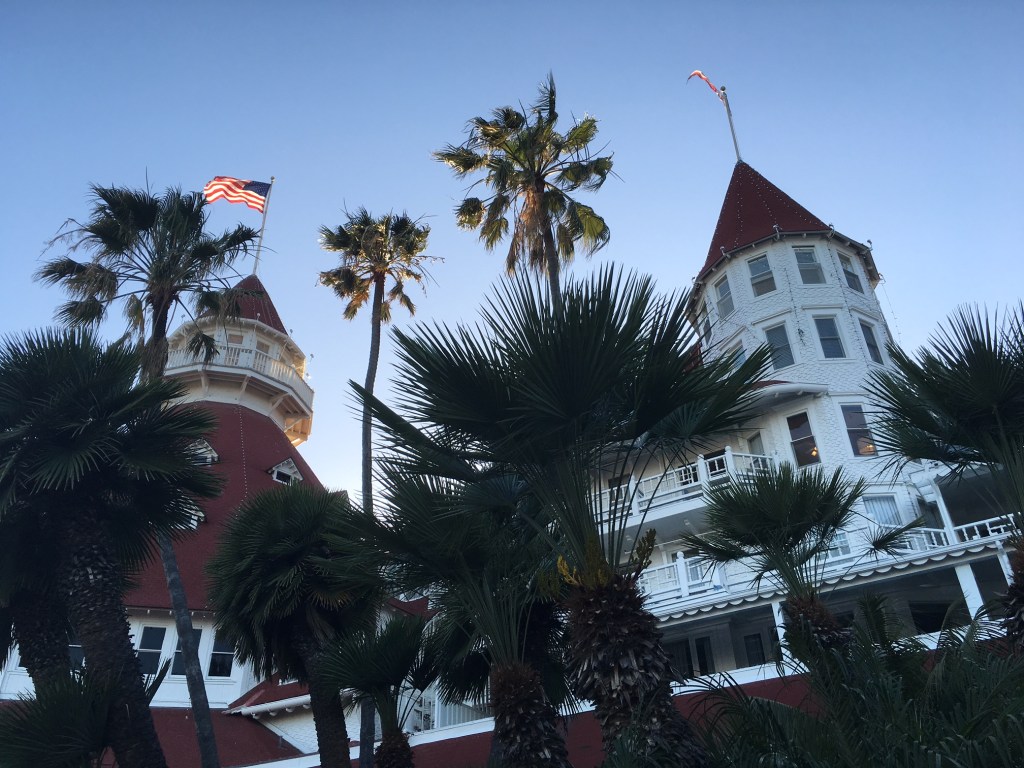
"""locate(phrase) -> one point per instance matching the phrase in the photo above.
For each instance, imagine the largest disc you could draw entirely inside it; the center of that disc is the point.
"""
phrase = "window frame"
(220, 648)
(814, 264)
(856, 433)
(867, 331)
(853, 280)
(772, 348)
(815, 451)
(720, 299)
(867, 499)
(145, 653)
(765, 277)
(177, 659)
(837, 339)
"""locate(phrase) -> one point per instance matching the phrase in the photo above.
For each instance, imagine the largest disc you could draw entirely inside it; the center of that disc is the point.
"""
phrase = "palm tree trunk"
(367, 712)
(91, 582)
(808, 619)
(525, 722)
(618, 661)
(154, 361)
(554, 267)
(1013, 602)
(41, 631)
(394, 750)
(328, 711)
(190, 655)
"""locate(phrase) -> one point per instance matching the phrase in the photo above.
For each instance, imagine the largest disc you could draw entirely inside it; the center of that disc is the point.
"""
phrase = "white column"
(1004, 561)
(780, 629)
(969, 586)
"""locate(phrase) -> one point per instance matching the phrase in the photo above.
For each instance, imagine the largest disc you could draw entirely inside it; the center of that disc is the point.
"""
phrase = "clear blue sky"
(897, 122)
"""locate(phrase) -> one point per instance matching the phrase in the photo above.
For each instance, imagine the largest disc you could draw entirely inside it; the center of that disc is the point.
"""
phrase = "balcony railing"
(995, 527)
(246, 358)
(681, 483)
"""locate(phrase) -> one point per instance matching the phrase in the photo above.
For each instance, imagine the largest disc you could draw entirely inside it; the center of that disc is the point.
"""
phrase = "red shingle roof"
(240, 740)
(753, 207)
(258, 307)
(247, 445)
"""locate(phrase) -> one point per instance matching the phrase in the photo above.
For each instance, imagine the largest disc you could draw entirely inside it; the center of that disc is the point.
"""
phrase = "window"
(874, 351)
(704, 323)
(828, 333)
(861, 440)
(810, 270)
(75, 652)
(805, 450)
(262, 346)
(705, 658)
(150, 645)
(235, 339)
(222, 657)
(725, 303)
(883, 510)
(285, 473)
(739, 354)
(754, 647)
(852, 278)
(840, 547)
(761, 278)
(178, 665)
(778, 341)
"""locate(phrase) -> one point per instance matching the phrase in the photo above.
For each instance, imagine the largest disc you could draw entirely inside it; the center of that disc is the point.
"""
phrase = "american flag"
(252, 193)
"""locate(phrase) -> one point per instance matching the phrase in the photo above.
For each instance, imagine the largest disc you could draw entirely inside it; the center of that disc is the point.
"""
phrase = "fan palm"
(883, 700)
(373, 252)
(98, 460)
(782, 523)
(532, 171)
(391, 666)
(610, 383)
(459, 543)
(960, 401)
(284, 590)
(152, 255)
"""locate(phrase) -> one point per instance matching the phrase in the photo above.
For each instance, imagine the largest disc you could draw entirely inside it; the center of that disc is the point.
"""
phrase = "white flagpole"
(732, 128)
(266, 207)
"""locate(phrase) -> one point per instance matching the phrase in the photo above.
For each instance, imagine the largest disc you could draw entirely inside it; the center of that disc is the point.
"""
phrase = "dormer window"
(203, 453)
(286, 473)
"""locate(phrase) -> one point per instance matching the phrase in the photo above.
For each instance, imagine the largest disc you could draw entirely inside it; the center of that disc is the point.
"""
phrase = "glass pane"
(755, 444)
(799, 426)
(763, 285)
(854, 417)
(220, 665)
(883, 509)
(805, 451)
(152, 638)
(759, 266)
(754, 648)
(872, 343)
(178, 666)
(781, 352)
(828, 332)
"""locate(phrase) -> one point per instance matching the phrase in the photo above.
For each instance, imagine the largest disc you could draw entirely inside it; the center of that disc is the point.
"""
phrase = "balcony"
(680, 490)
(689, 583)
(247, 361)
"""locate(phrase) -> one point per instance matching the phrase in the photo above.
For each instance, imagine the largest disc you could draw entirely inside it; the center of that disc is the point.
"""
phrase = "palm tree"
(458, 543)
(960, 401)
(531, 171)
(783, 523)
(607, 385)
(284, 591)
(373, 251)
(392, 666)
(152, 254)
(98, 460)
(886, 699)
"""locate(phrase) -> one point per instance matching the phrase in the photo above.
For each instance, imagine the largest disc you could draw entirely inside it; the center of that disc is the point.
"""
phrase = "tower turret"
(257, 364)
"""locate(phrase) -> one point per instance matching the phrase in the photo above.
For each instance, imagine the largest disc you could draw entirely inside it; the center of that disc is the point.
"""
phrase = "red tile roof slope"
(259, 306)
(240, 740)
(753, 206)
(269, 690)
(248, 444)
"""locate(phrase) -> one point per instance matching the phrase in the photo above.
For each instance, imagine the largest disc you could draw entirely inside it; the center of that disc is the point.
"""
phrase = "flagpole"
(266, 207)
(732, 128)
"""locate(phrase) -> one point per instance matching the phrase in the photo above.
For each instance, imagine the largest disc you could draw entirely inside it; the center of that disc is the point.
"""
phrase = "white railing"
(247, 358)
(432, 712)
(679, 483)
(994, 527)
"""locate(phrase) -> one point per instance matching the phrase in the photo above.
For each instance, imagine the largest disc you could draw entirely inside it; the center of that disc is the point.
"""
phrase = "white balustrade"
(229, 356)
(994, 527)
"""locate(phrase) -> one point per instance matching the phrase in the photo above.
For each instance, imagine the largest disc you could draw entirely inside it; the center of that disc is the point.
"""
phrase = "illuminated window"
(861, 440)
(810, 270)
(805, 449)
(761, 278)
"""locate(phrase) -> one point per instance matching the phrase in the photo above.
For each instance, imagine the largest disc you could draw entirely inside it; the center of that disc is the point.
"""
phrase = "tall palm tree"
(609, 384)
(782, 523)
(393, 666)
(374, 251)
(152, 255)
(97, 460)
(284, 590)
(531, 171)
(960, 401)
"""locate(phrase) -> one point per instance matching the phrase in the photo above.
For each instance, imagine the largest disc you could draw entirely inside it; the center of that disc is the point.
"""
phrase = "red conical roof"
(259, 306)
(752, 210)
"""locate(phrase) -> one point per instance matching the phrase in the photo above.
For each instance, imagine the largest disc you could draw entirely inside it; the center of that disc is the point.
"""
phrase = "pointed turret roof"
(257, 305)
(755, 209)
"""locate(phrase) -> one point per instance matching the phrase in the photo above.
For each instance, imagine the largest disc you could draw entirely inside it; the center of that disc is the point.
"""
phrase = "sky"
(897, 122)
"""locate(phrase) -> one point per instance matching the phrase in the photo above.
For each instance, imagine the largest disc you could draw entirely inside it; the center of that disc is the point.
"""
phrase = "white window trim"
(789, 338)
(723, 280)
(770, 274)
(806, 410)
(879, 339)
(846, 282)
(817, 261)
(865, 409)
(839, 334)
